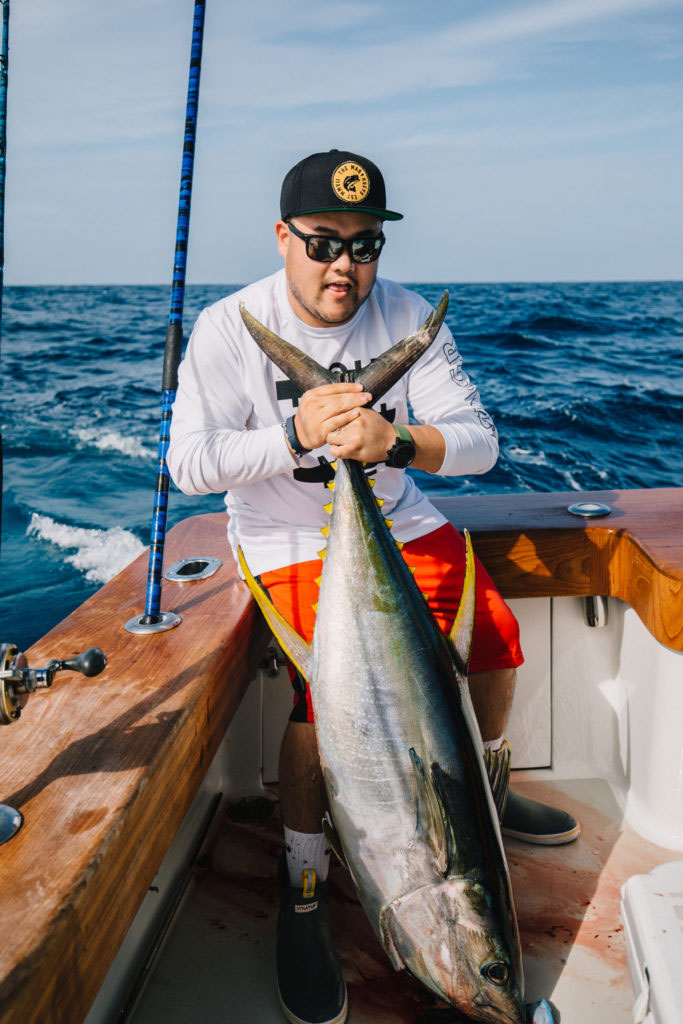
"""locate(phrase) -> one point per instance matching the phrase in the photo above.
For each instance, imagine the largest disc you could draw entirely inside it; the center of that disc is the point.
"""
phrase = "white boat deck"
(217, 966)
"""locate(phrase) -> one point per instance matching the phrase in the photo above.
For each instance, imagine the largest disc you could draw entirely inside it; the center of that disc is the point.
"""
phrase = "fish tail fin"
(463, 627)
(377, 377)
(300, 368)
(382, 373)
(295, 647)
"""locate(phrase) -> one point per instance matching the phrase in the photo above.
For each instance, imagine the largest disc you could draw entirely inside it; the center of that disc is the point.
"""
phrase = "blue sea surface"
(583, 382)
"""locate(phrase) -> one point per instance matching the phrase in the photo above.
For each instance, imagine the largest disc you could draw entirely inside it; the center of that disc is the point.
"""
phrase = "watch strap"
(402, 452)
(294, 442)
(404, 433)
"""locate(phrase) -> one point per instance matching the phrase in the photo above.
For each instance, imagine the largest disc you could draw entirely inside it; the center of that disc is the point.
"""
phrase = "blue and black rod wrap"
(174, 330)
(4, 67)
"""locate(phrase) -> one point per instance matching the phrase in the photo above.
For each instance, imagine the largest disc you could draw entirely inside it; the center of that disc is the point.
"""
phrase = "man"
(239, 425)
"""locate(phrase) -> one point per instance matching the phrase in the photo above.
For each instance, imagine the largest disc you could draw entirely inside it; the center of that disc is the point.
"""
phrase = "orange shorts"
(439, 562)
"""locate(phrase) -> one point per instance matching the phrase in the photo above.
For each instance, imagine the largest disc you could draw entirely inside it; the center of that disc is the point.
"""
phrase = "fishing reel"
(18, 681)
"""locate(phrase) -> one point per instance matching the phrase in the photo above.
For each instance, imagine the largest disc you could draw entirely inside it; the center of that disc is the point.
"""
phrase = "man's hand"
(369, 437)
(366, 438)
(327, 408)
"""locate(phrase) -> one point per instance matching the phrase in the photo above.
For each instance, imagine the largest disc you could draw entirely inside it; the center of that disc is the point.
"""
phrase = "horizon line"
(405, 283)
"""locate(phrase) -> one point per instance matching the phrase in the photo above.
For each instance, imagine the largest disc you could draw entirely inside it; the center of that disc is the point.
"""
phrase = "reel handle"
(17, 680)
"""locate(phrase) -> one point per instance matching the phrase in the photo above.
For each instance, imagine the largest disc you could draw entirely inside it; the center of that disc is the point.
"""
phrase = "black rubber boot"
(520, 817)
(310, 982)
(534, 822)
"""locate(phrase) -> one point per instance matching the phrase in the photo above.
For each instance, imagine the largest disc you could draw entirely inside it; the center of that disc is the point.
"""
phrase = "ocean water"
(582, 380)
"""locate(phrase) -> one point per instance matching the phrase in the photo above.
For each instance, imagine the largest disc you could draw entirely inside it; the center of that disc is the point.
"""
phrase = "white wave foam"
(571, 480)
(527, 455)
(112, 441)
(100, 554)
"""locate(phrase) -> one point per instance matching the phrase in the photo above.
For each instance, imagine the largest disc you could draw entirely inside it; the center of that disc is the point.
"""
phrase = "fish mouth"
(495, 1012)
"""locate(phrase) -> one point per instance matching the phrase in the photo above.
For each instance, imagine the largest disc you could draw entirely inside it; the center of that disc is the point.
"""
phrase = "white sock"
(494, 745)
(306, 850)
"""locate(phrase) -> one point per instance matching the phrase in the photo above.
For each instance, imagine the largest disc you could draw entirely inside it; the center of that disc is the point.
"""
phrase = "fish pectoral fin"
(295, 647)
(442, 782)
(386, 937)
(333, 839)
(463, 627)
(431, 815)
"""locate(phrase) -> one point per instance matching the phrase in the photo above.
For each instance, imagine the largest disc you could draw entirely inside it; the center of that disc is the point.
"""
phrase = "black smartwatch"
(402, 452)
(294, 442)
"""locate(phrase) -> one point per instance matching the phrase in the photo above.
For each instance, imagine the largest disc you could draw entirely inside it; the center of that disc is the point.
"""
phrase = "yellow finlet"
(334, 465)
(315, 607)
(328, 508)
(400, 545)
(412, 570)
(426, 596)
(330, 484)
(371, 481)
(389, 522)
(325, 530)
(321, 554)
(318, 579)
(380, 502)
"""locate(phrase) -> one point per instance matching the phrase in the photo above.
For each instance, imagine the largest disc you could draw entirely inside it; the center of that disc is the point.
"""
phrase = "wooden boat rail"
(533, 547)
(105, 769)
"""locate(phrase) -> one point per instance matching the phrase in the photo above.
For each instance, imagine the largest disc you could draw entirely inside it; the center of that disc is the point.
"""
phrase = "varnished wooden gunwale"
(105, 769)
(533, 547)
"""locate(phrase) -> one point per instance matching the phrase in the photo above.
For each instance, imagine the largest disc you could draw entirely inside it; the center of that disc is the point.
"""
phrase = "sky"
(523, 141)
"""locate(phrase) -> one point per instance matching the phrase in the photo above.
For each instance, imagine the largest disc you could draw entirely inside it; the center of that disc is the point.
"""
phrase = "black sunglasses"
(326, 250)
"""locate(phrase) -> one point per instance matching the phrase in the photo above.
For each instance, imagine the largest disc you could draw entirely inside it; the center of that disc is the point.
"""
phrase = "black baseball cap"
(338, 180)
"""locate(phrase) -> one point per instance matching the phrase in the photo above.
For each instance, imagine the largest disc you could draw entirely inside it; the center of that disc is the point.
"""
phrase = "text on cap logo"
(350, 182)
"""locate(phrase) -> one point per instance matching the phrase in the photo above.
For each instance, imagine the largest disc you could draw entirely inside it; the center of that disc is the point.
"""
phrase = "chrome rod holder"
(160, 624)
(596, 611)
(190, 570)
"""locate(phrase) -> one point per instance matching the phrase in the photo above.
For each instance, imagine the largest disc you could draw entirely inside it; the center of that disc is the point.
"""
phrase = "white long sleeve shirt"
(227, 435)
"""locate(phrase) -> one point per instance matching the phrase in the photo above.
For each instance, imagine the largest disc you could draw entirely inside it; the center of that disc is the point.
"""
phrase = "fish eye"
(497, 972)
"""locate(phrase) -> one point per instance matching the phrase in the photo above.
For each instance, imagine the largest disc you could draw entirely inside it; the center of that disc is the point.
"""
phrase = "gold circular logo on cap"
(350, 182)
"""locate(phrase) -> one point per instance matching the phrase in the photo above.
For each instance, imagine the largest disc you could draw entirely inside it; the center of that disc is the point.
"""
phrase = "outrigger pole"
(154, 620)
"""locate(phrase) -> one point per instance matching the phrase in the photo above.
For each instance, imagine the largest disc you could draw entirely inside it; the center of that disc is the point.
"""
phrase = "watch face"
(401, 454)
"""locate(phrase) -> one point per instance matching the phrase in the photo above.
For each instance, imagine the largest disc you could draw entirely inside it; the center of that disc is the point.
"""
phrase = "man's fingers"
(335, 422)
(329, 405)
(336, 389)
(318, 412)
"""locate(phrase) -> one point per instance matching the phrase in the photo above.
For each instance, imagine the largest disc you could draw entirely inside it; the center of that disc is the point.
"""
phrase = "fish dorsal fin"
(432, 820)
(383, 372)
(333, 839)
(300, 368)
(498, 770)
(294, 646)
(463, 627)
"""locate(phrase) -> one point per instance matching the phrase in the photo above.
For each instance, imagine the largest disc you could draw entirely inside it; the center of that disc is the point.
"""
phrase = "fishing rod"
(153, 620)
(4, 66)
